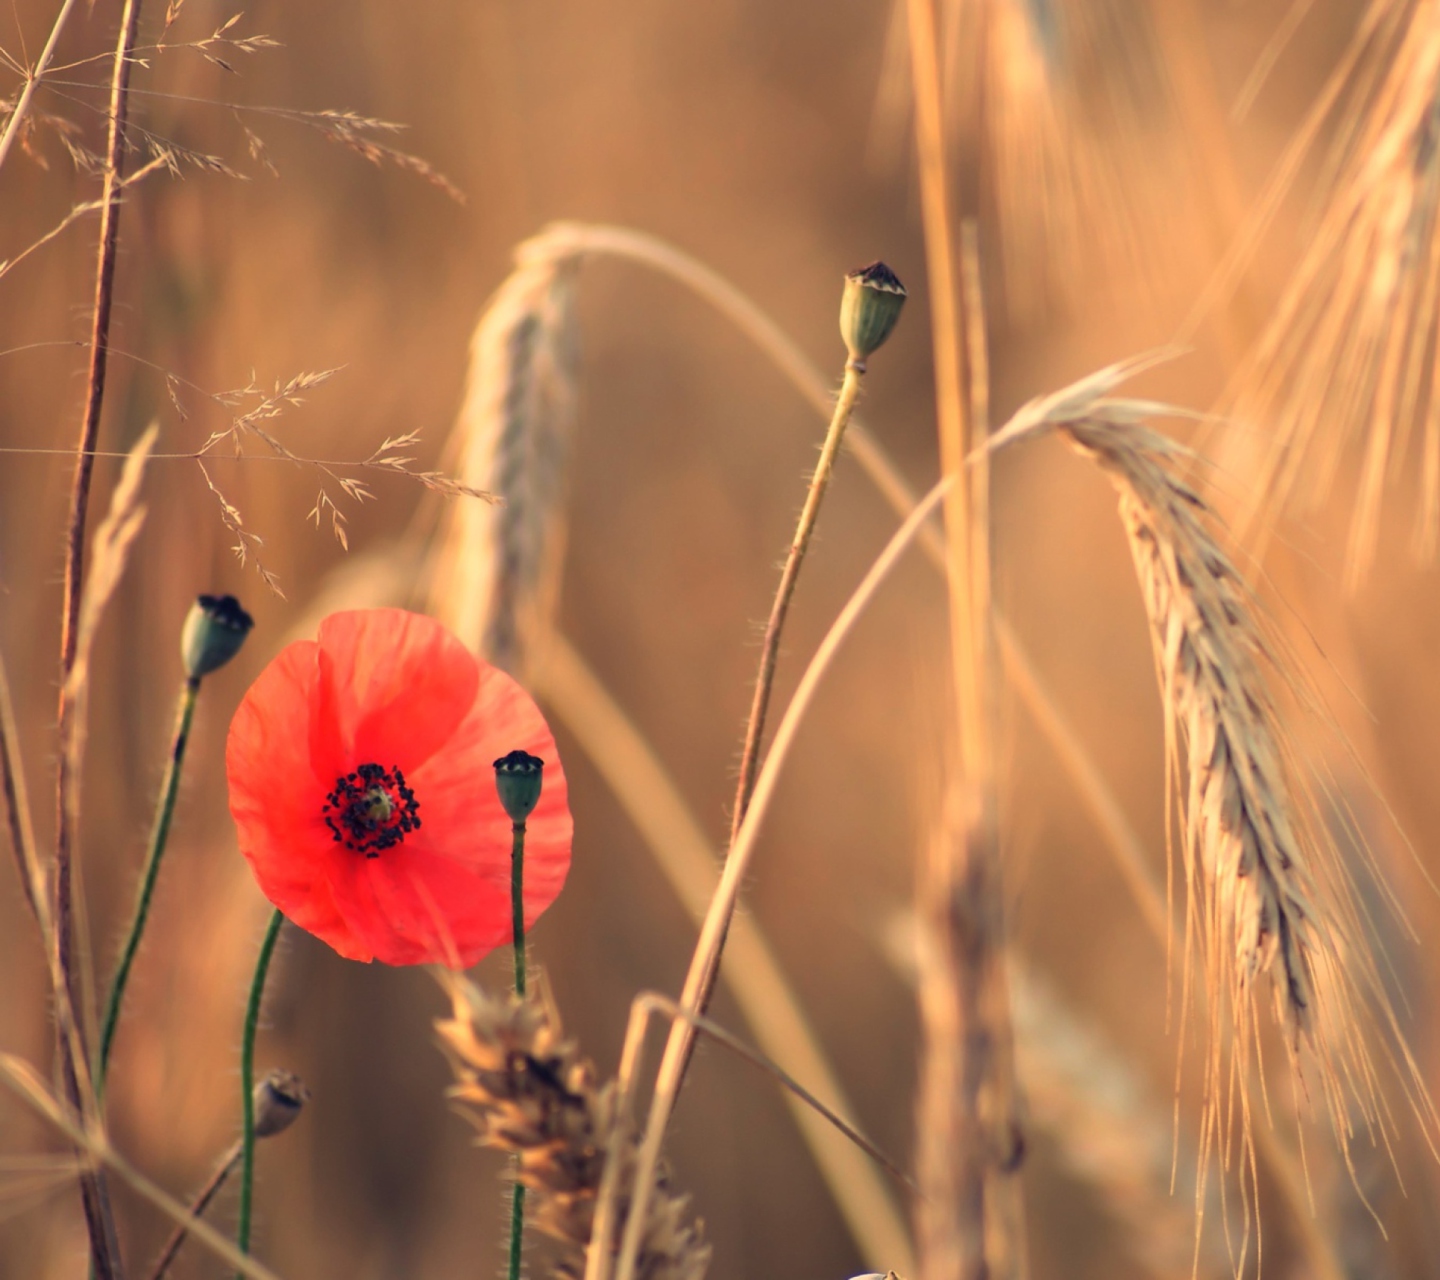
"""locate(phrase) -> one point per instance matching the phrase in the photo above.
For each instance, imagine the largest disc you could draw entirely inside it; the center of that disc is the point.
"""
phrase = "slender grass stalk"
(722, 904)
(247, 1081)
(99, 1220)
(517, 910)
(32, 81)
(164, 813)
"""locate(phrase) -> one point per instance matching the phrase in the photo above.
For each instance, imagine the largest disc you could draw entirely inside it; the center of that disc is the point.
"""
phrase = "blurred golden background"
(770, 141)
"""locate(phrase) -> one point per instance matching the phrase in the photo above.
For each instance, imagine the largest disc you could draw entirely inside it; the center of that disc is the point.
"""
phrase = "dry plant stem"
(32, 81)
(198, 1206)
(21, 1078)
(98, 1218)
(164, 812)
(722, 904)
(790, 575)
(685, 857)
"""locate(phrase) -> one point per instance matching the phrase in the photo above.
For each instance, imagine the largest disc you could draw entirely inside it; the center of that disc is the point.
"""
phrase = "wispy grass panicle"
(498, 573)
(529, 1092)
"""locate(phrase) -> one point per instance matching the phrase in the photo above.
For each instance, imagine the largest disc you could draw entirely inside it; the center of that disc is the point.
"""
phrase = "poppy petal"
(398, 683)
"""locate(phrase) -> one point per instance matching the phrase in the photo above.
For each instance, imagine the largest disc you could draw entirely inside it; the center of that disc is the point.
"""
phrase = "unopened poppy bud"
(215, 629)
(869, 308)
(278, 1099)
(518, 778)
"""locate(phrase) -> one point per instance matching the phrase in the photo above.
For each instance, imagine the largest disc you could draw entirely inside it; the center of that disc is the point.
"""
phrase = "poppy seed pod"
(869, 308)
(518, 779)
(278, 1100)
(214, 631)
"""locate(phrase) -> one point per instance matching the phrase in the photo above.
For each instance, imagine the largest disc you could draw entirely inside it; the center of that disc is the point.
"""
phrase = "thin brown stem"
(98, 1217)
(208, 1192)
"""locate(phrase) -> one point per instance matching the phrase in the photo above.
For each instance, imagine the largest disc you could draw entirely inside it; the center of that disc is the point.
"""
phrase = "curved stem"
(517, 911)
(247, 1081)
(164, 812)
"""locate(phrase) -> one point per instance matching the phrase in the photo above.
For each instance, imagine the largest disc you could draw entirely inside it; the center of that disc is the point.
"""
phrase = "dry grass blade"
(529, 1092)
(110, 553)
(17, 812)
(1269, 894)
(498, 573)
(22, 1079)
(1346, 368)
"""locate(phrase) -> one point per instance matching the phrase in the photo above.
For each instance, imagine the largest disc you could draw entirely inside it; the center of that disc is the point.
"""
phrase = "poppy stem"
(517, 908)
(164, 812)
(247, 1082)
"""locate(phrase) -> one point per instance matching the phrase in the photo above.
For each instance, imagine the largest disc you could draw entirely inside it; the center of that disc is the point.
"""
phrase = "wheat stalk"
(530, 1093)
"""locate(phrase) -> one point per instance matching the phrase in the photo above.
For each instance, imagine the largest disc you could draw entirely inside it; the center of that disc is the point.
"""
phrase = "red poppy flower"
(363, 788)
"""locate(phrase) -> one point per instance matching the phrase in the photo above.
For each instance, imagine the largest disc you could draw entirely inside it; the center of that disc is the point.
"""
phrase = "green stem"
(517, 909)
(164, 812)
(247, 1082)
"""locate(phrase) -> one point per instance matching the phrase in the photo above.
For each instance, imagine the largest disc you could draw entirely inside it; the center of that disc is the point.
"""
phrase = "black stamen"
(371, 810)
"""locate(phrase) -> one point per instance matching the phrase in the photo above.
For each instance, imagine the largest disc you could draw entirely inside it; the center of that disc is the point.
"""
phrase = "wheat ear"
(529, 1092)
(1269, 894)
(497, 575)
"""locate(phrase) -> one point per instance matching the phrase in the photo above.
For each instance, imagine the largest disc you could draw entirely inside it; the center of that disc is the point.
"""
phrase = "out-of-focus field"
(747, 133)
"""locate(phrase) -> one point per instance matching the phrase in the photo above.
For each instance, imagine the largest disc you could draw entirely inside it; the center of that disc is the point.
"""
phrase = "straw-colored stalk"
(1347, 364)
(530, 1093)
(498, 574)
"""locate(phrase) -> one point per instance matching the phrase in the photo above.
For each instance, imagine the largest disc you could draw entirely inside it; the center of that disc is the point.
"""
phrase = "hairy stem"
(164, 812)
(517, 910)
(247, 1082)
(770, 646)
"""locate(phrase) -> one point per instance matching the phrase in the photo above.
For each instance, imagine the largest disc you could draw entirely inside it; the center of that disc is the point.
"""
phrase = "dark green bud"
(518, 778)
(215, 629)
(278, 1099)
(869, 308)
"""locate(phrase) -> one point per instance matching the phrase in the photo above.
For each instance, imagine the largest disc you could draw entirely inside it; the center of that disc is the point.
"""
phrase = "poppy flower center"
(371, 810)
